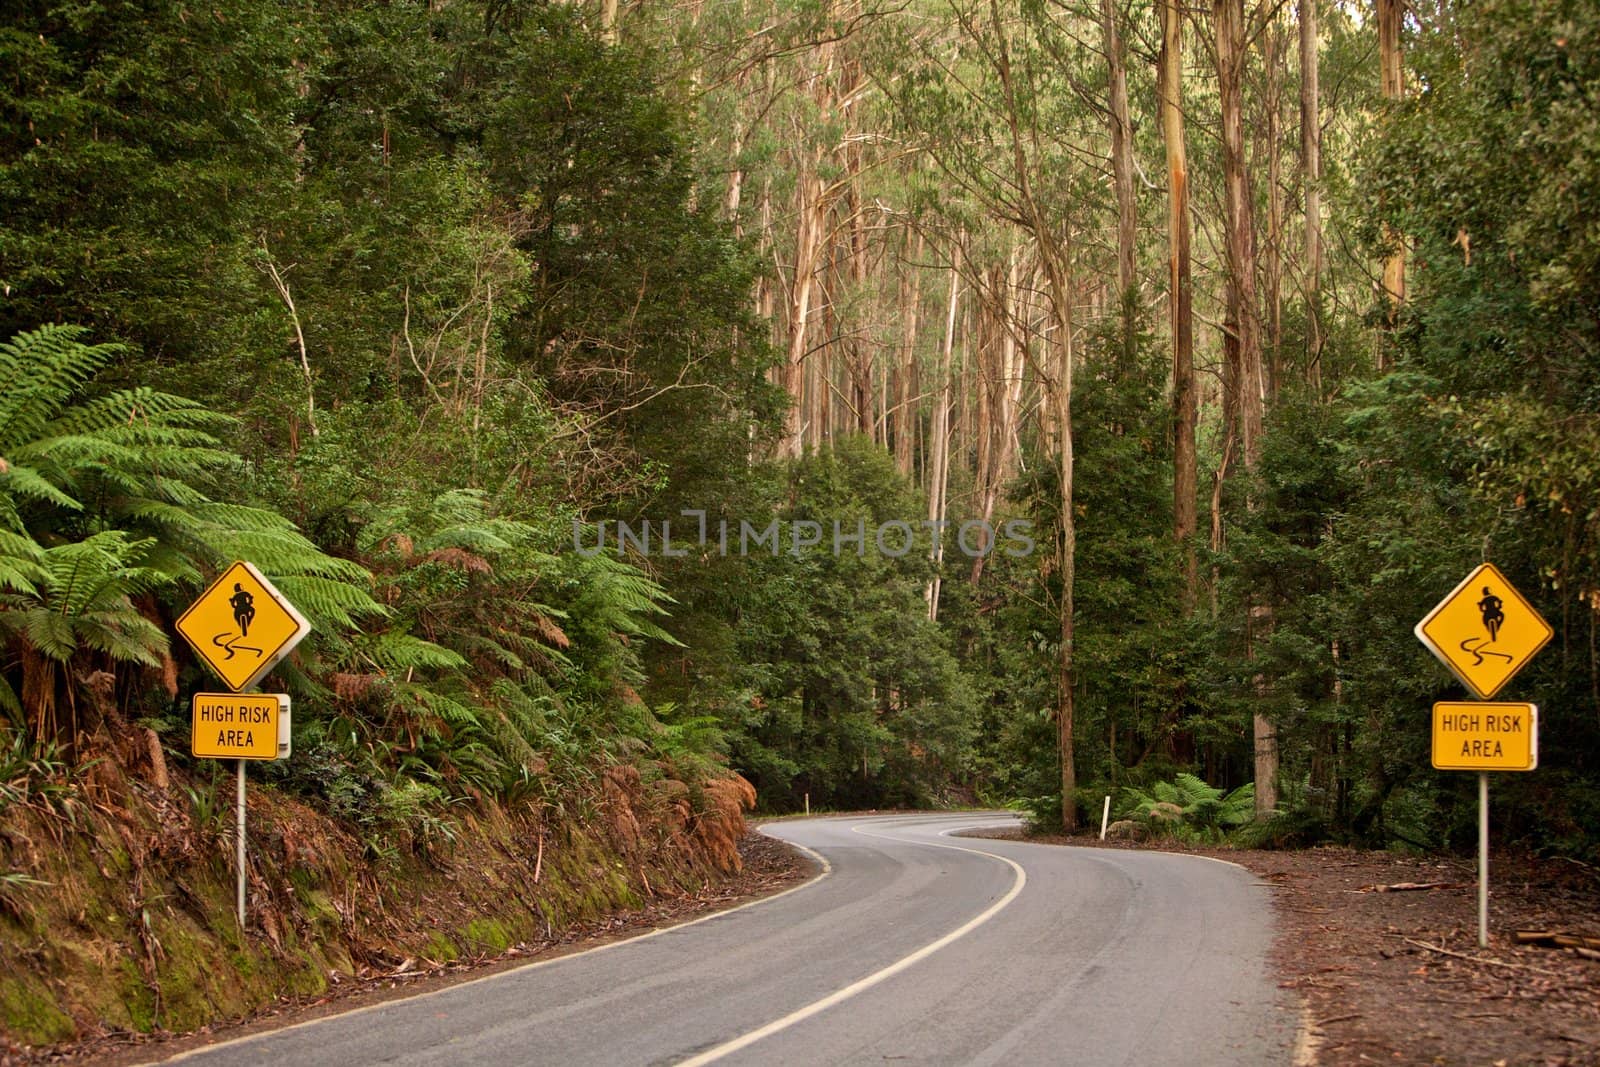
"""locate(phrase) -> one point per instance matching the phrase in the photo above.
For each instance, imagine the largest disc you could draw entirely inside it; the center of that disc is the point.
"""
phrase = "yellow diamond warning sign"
(1479, 736)
(1484, 631)
(239, 725)
(241, 626)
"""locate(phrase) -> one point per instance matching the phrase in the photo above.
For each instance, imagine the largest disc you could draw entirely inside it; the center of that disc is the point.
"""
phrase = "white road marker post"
(1483, 860)
(239, 850)
(1105, 817)
(808, 803)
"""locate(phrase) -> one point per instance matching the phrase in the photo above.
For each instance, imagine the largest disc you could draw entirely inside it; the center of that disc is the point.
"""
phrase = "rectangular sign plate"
(1475, 735)
(239, 725)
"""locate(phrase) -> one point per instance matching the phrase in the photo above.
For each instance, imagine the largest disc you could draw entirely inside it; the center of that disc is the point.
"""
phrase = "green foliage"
(37, 776)
(1187, 807)
(821, 668)
(441, 279)
(135, 140)
(103, 506)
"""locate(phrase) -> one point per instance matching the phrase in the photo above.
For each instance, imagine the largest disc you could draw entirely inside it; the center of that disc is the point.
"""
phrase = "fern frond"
(124, 636)
(1239, 806)
(50, 633)
(399, 651)
(1195, 790)
(39, 370)
(142, 409)
(23, 481)
(20, 567)
(328, 602)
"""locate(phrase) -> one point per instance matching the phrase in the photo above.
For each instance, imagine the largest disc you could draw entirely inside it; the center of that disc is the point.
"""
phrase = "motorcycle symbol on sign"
(1492, 608)
(244, 613)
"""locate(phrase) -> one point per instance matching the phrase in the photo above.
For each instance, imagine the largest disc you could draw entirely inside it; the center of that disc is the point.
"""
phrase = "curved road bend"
(914, 947)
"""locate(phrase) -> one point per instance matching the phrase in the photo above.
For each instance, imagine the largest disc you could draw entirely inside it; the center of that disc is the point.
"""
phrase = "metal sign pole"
(239, 615)
(239, 856)
(1483, 860)
(1486, 736)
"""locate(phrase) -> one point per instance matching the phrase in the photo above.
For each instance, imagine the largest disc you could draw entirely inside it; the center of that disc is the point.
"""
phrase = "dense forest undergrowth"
(870, 405)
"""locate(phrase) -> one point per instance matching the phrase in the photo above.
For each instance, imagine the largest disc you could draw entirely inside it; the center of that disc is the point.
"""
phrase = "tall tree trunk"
(985, 347)
(1180, 298)
(1246, 377)
(766, 293)
(961, 439)
(906, 385)
(812, 207)
(857, 350)
(1274, 49)
(1121, 171)
(939, 435)
(735, 193)
(997, 395)
(1311, 181)
(1058, 397)
(1241, 244)
(810, 214)
(1066, 562)
(1011, 398)
(861, 356)
(1055, 257)
(1390, 13)
(819, 394)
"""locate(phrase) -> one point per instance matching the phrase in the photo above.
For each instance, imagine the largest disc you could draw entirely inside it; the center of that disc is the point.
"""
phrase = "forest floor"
(768, 867)
(1383, 950)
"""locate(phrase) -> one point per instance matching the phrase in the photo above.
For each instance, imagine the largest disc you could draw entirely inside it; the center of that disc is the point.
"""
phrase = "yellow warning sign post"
(1485, 632)
(1482, 736)
(241, 627)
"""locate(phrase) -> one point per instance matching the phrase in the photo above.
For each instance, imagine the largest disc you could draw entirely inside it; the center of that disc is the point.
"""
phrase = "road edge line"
(861, 985)
(826, 869)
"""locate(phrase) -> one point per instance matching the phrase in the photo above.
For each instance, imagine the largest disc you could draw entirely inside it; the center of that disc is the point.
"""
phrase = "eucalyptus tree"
(1180, 297)
(983, 93)
(1311, 182)
(1392, 79)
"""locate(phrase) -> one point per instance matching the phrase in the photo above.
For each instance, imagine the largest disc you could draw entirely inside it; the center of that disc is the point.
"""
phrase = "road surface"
(912, 946)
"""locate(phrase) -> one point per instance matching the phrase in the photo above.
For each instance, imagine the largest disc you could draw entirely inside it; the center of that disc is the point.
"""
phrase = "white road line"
(826, 869)
(816, 1007)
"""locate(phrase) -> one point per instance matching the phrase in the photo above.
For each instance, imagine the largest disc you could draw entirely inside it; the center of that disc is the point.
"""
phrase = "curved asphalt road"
(913, 947)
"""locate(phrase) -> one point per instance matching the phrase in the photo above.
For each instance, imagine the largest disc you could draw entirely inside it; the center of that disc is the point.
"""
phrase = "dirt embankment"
(117, 898)
(1384, 951)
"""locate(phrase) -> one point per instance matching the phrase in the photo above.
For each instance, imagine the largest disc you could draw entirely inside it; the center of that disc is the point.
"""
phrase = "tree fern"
(41, 369)
(80, 602)
(105, 499)
(136, 460)
(1188, 802)
(626, 599)
(21, 568)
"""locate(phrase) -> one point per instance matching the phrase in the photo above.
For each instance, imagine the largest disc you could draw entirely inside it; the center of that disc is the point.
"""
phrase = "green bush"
(1188, 808)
